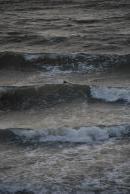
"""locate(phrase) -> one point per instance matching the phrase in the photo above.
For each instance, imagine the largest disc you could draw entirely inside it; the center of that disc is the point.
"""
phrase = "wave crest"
(26, 97)
(63, 62)
(87, 135)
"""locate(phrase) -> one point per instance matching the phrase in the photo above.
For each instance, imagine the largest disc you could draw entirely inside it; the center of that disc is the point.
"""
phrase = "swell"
(88, 135)
(28, 97)
(63, 62)
(14, 61)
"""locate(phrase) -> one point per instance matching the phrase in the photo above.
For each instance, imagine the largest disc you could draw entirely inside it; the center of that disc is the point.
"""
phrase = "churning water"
(64, 97)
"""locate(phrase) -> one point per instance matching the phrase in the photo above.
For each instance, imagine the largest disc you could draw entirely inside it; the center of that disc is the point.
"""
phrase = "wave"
(89, 135)
(26, 97)
(21, 191)
(110, 94)
(63, 62)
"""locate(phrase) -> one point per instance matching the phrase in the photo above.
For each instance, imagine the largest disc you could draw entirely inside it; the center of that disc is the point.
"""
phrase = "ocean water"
(98, 26)
(64, 97)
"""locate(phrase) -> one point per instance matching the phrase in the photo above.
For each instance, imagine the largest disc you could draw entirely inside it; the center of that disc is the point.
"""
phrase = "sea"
(64, 97)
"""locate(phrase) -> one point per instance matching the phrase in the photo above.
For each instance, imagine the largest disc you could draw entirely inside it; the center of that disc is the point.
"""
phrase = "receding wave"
(26, 97)
(87, 135)
(63, 62)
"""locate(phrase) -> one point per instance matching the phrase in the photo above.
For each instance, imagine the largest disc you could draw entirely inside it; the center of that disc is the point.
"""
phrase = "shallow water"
(66, 169)
(64, 97)
(77, 142)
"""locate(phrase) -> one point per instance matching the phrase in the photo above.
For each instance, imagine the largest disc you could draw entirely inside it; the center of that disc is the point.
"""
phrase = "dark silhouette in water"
(65, 82)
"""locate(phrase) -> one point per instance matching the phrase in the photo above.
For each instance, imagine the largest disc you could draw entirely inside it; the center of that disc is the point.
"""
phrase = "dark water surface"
(65, 26)
(64, 97)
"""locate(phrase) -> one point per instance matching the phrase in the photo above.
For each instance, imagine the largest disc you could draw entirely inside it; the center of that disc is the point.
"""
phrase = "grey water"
(99, 26)
(64, 97)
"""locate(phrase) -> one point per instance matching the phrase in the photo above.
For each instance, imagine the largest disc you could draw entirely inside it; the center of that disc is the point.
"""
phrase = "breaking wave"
(63, 62)
(26, 97)
(89, 135)
(110, 94)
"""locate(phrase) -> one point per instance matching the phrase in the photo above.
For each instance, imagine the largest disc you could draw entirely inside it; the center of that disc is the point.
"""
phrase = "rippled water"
(60, 25)
(64, 97)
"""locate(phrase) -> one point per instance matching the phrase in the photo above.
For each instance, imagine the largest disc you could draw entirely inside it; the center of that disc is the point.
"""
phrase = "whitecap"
(110, 94)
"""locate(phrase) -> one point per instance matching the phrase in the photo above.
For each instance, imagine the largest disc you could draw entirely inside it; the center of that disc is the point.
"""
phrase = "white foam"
(81, 135)
(86, 68)
(30, 57)
(110, 94)
(82, 67)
